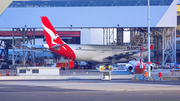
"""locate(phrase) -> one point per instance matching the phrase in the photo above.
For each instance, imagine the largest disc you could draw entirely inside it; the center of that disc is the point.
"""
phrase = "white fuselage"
(100, 53)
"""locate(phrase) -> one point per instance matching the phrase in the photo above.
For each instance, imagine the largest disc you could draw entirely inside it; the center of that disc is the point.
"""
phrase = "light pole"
(149, 60)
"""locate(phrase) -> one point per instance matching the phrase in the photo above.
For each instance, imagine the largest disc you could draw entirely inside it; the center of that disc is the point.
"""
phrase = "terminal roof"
(87, 3)
(90, 13)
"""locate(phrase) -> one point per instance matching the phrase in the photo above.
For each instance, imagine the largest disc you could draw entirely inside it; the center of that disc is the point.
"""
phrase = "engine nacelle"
(151, 66)
(129, 67)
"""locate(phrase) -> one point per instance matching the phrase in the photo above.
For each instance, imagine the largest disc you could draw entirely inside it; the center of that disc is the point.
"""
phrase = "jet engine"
(129, 67)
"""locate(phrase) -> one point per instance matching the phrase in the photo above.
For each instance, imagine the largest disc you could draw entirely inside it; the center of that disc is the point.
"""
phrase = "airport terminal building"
(94, 30)
(108, 22)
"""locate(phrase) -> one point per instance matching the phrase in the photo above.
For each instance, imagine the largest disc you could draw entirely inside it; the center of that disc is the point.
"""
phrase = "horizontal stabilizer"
(35, 46)
(27, 50)
(58, 45)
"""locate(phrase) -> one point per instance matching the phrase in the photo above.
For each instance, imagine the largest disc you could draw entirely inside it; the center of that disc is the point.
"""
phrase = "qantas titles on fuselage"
(127, 47)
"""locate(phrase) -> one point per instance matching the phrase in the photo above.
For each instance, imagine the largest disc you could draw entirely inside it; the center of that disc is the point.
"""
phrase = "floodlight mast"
(149, 60)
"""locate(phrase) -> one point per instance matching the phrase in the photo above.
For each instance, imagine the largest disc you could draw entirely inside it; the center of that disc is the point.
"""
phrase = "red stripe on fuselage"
(65, 51)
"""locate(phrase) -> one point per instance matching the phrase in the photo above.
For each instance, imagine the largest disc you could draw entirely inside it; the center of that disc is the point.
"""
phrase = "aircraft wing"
(119, 55)
(125, 54)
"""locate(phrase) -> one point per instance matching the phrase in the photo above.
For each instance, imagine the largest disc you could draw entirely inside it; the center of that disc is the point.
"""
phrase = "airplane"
(137, 66)
(132, 67)
(97, 53)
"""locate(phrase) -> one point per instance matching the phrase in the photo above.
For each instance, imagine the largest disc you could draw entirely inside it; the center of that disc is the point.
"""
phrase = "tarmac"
(89, 90)
(88, 86)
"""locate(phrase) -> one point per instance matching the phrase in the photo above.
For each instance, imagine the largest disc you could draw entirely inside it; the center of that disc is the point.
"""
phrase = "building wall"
(97, 36)
(42, 71)
(92, 36)
(85, 37)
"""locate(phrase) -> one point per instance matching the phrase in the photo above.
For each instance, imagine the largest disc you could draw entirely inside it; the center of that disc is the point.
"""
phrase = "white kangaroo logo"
(53, 36)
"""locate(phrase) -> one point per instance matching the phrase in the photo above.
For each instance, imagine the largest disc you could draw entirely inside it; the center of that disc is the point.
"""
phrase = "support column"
(163, 48)
(175, 44)
(34, 55)
(108, 36)
(120, 36)
(23, 42)
(13, 59)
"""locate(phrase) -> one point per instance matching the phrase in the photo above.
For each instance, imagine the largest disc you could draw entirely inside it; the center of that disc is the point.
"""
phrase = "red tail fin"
(151, 47)
(51, 35)
(141, 54)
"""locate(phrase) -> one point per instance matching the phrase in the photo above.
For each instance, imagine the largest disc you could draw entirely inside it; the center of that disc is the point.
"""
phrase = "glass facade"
(89, 3)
